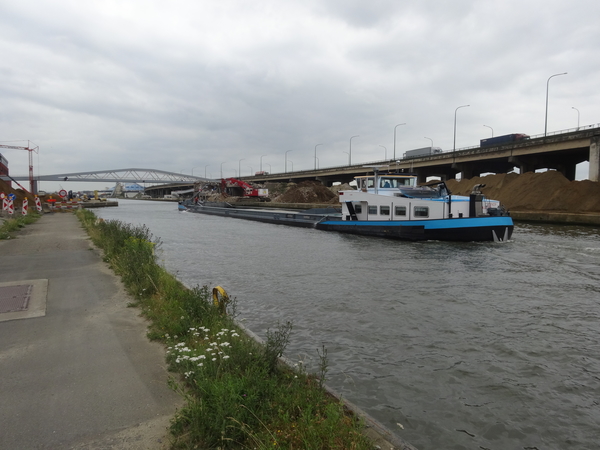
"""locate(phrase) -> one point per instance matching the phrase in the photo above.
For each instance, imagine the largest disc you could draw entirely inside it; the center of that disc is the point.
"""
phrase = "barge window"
(357, 208)
(384, 210)
(400, 210)
(373, 209)
(421, 211)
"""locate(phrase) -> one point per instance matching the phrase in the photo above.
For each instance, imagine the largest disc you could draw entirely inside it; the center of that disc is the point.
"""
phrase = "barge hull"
(460, 229)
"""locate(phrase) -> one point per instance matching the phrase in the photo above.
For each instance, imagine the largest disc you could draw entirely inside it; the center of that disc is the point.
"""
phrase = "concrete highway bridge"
(561, 151)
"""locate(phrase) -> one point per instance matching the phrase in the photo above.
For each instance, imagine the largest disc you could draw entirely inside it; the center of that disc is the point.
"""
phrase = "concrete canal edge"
(381, 437)
(557, 217)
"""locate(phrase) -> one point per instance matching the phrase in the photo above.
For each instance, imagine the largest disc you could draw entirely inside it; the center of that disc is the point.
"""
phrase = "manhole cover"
(15, 298)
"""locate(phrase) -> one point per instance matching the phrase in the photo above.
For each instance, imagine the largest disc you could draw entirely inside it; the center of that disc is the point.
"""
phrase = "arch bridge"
(132, 175)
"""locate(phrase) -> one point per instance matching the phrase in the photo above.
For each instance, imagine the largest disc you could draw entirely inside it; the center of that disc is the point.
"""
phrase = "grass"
(238, 394)
(10, 226)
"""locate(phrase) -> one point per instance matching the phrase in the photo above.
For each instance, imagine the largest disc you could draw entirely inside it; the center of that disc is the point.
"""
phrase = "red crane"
(30, 150)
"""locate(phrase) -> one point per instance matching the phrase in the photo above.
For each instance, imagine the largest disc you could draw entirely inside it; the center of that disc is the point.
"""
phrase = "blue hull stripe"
(433, 224)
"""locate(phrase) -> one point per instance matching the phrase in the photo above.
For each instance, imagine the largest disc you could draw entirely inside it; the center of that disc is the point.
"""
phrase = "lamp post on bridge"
(455, 111)
(316, 155)
(350, 154)
(572, 107)
(395, 138)
(261, 157)
(240, 166)
(385, 152)
(286, 160)
(547, 88)
(222, 168)
(205, 169)
(487, 126)
(430, 140)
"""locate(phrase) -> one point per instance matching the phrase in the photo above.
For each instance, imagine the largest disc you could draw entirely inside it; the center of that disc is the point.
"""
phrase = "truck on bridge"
(505, 139)
(425, 151)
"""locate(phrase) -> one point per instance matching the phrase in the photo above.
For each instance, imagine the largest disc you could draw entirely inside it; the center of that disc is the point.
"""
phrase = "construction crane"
(30, 150)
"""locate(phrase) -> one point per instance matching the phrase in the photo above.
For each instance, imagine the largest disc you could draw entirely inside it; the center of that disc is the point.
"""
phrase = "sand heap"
(547, 191)
(307, 192)
(19, 193)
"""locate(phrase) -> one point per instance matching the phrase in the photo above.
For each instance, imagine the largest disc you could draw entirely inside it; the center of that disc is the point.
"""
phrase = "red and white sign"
(11, 207)
(62, 193)
(25, 206)
(38, 204)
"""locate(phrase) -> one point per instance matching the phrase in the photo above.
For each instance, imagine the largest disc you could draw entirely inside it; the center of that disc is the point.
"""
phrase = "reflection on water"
(466, 345)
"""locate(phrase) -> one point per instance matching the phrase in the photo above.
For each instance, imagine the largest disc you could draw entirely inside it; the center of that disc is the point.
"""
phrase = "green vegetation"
(9, 226)
(238, 395)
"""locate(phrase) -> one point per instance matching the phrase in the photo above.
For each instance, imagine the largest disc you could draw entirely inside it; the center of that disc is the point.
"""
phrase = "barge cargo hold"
(305, 219)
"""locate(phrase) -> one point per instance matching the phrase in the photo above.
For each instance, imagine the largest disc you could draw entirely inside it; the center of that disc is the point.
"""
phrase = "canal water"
(449, 345)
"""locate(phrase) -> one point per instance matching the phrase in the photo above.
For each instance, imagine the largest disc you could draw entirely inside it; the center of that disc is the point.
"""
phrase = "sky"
(196, 87)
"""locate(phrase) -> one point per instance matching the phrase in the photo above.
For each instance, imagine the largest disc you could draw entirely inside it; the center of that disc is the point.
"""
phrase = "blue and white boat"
(392, 205)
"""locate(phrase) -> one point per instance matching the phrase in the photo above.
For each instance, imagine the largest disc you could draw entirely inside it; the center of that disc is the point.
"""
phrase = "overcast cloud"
(181, 85)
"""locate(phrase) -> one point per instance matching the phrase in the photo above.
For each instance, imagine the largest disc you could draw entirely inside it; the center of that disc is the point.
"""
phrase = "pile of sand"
(19, 193)
(307, 192)
(547, 191)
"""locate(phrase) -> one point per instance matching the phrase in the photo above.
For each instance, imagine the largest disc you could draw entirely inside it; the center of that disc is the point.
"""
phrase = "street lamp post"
(572, 107)
(547, 88)
(286, 159)
(395, 138)
(270, 169)
(239, 166)
(292, 162)
(348, 157)
(385, 151)
(350, 154)
(250, 170)
(463, 106)
(205, 169)
(261, 157)
(430, 140)
(316, 155)
(487, 126)
(222, 168)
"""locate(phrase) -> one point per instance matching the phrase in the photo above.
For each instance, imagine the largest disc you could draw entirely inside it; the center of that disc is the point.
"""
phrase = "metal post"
(547, 88)
(395, 138)
(316, 155)
(350, 154)
(572, 107)
(286, 159)
(454, 145)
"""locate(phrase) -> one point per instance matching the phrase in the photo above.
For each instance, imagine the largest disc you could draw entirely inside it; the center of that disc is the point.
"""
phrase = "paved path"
(76, 371)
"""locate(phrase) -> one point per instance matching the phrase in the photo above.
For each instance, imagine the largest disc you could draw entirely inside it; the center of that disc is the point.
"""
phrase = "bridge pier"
(594, 172)
(523, 164)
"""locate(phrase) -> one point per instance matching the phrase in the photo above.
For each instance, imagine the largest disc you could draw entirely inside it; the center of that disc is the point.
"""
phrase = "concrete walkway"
(76, 368)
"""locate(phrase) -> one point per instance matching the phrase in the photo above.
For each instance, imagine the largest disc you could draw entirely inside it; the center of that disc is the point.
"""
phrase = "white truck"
(425, 151)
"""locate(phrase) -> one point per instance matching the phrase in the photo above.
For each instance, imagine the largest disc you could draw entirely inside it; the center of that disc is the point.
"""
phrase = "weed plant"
(14, 224)
(238, 394)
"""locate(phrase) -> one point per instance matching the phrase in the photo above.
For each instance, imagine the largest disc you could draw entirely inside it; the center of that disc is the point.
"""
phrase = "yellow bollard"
(220, 299)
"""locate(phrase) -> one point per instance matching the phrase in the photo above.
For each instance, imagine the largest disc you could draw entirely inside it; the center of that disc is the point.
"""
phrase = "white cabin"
(382, 197)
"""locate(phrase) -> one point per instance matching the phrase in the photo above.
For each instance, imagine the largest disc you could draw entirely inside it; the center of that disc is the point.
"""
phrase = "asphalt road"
(76, 368)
